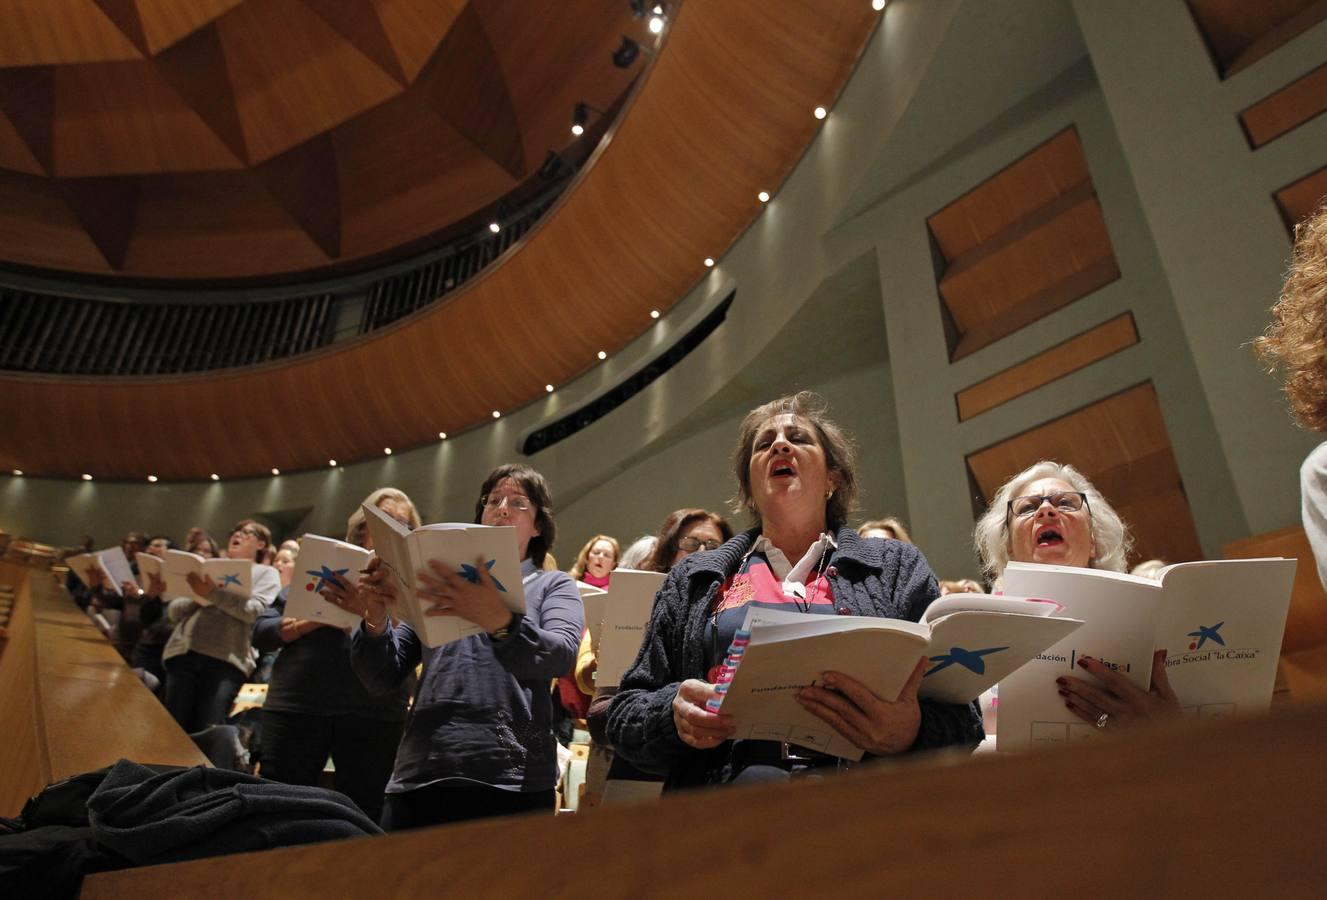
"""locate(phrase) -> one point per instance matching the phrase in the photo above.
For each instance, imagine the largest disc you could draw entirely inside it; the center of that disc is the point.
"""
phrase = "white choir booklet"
(231, 575)
(322, 559)
(971, 641)
(1220, 622)
(593, 600)
(148, 565)
(462, 549)
(626, 612)
(111, 562)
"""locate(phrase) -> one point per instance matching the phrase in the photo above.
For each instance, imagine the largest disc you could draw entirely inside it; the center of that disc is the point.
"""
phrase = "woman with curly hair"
(1296, 343)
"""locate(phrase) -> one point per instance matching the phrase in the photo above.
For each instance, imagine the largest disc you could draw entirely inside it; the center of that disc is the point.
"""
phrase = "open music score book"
(593, 600)
(1220, 621)
(231, 575)
(112, 562)
(457, 546)
(972, 641)
(320, 559)
(626, 612)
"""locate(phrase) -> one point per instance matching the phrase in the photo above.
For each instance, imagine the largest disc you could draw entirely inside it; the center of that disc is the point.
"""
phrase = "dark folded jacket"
(154, 818)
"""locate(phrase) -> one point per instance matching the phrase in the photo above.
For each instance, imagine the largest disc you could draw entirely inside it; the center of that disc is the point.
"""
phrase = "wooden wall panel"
(1299, 200)
(1121, 444)
(1287, 109)
(1070, 356)
(1239, 33)
(20, 773)
(1024, 243)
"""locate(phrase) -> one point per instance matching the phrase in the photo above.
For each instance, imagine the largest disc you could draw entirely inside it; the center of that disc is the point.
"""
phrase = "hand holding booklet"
(463, 549)
(321, 560)
(971, 641)
(1220, 622)
(111, 562)
(231, 575)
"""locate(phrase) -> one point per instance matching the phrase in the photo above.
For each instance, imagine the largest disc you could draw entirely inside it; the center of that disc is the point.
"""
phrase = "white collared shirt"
(794, 576)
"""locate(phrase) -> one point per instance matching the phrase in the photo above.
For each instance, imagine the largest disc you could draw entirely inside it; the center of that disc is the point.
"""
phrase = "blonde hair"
(357, 526)
(1296, 340)
(1110, 536)
(582, 558)
(890, 525)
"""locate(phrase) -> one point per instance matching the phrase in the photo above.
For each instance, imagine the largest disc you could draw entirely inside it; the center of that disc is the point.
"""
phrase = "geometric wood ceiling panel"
(1238, 33)
(95, 89)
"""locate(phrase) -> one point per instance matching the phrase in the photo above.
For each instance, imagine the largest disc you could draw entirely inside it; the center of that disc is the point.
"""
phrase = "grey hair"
(1111, 541)
(634, 556)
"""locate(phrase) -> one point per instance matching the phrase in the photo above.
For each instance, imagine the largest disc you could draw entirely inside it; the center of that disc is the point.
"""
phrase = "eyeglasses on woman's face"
(694, 545)
(1062, 501)
(515, 503)
(249, 530)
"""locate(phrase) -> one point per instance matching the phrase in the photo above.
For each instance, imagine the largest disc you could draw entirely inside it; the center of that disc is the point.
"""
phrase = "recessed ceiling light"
(387, 451)
(656, 24)
(87, 477)
(878, 5)
(763, 196)
(578, 129)
(332, 463)
(442, 435)
(152, 478)
(216, 477)
(821, 112)
(276, 471)
(654, 314)
(497, 414)
(549, 388)
(18, 471)
(603, 355)
(709, 262)
(494, 227)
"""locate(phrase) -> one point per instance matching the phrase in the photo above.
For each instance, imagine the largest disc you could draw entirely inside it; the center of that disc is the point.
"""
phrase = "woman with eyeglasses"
(479, 738)
(209, 654)
(1050, 513)
(796, 477)
(684, 532)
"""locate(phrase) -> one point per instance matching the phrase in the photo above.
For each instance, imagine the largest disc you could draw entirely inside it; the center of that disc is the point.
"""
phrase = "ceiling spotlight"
(87, 477)
(442, 435)
(494, 227)
(821, 112)
(626, 53)
(654, 314)
(658, 9)
(549, 388)
(603, 355)
(18, 471)
(709, 262)
(497, 414)
(152, 479)
(763, 196)
(656, 24)
(579, 116)
(878, 5)
(387, 451)
(216, 477)
(332, 463)
(276, 471)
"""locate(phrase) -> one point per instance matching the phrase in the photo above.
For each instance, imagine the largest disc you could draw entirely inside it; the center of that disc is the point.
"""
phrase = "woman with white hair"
(1050, 513)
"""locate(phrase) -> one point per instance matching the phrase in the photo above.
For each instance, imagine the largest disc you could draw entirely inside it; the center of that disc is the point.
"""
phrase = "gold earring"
(829, 493)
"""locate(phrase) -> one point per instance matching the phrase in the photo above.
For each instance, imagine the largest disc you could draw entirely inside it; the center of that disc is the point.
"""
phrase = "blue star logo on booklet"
(325, 576)
(230, 579)
(471, 574)
(968, 659)
(1207, 633)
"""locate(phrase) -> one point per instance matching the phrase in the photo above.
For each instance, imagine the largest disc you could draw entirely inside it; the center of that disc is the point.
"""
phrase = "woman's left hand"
(877, 726)
(1114, 701)
(201, 585)
(453, 595)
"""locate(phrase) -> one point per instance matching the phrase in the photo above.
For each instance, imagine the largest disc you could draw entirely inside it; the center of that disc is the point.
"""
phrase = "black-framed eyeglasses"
(249, 530)
(1063, 501)
(692, 545)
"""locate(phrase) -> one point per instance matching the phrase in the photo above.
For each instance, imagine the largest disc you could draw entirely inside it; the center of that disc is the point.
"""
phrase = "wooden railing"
(68, 702)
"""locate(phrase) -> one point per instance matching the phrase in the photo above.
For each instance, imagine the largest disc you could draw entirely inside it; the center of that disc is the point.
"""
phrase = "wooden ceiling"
(724, 113)
(1241, 32)
(205, 139)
